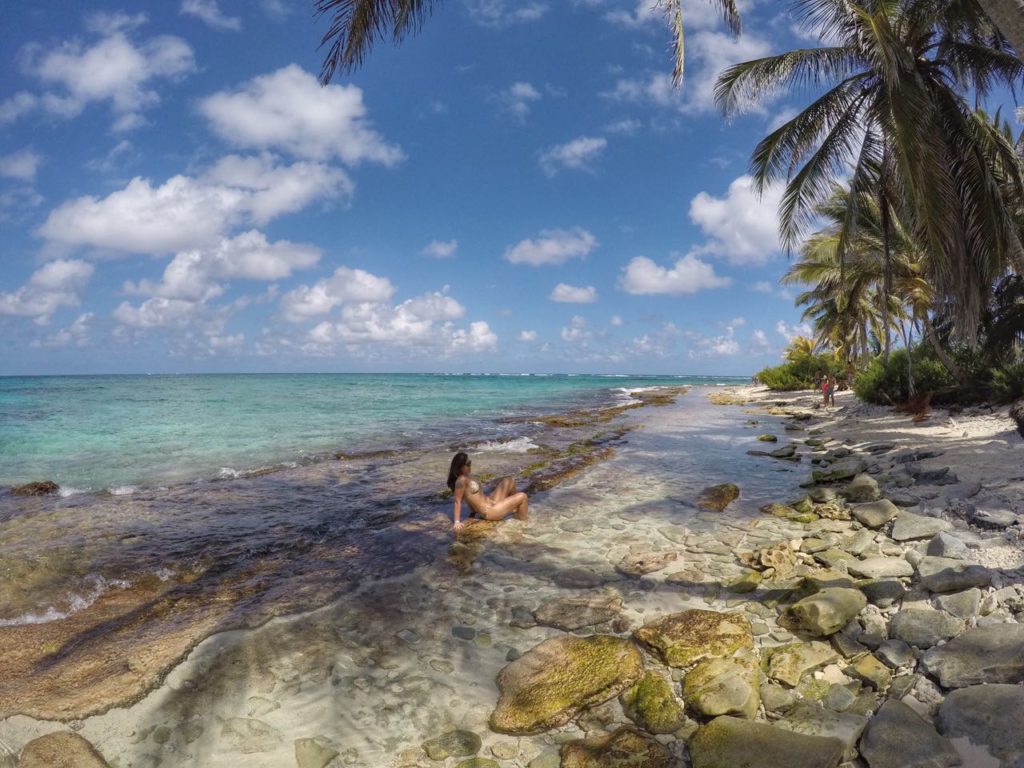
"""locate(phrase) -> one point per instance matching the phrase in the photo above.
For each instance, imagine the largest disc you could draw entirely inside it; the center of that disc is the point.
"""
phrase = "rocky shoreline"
(871, 618)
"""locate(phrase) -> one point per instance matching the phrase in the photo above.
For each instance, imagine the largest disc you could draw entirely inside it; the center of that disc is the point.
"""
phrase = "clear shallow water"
(118, 432)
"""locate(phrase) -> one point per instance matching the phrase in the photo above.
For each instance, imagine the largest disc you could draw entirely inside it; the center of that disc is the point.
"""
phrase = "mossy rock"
(681, 639)
(778, 510)
(746, 583)
(554, 681)
(452, 744)
(651, 704)
(479, 762)
(723, 687)
(826, 612)
(768, 438)
(717, 497)
(729, 742)
(624, 747)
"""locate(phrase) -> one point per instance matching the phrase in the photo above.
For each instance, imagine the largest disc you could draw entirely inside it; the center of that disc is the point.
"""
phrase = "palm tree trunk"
(910, 361)
(1008, 16)
(887, 281)
(940, 352)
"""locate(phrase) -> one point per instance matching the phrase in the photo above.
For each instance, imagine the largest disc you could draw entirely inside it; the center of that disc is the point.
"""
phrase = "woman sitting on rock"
(503, 500)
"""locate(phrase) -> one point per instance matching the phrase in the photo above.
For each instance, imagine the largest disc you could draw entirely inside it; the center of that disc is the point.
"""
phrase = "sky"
(518, 188)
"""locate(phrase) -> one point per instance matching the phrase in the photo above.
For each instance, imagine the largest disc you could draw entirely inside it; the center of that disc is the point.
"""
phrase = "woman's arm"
(459, 488)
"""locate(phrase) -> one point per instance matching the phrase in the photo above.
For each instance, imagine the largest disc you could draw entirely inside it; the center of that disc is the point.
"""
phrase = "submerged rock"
(651, 704)
(648, 562)
(826, 612)
(897, 737)
(452, 744)
(247, 735)
(572, 613)
(311, 754)
(723, 687)
(718, 497)
(993, 654)
(624, 747)
(988, 716)
(729, 742)
(551, 683)
(680, 639)
(39, 488)
(61, 749)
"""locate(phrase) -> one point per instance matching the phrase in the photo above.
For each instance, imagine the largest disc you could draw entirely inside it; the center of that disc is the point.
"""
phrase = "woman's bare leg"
(517, 502)
(505, 488)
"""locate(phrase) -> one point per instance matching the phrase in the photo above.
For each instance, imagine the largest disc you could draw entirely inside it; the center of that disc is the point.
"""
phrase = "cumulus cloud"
(577, 155)
(158, 312)
(346, 285)
(441, 249)
(724, 345)
(289, 111)
(790, 332)
(21, 165)
(516, 100)
(56, 284)
(554, 246)
(76, 334)
(210, 13)
(642, 276)
(743, 227)
(527, 335)
(759, 344)
(576, 331)
(114, 70)
(502, 13)
(572, 294)
(191, 212)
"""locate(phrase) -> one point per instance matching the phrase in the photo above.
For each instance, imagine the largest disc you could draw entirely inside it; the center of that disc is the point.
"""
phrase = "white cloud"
(782, 117)
(196, 275)
(56, 284)
(743, 226)
(114, 69)
(21, 165)
(642, 276)
(527, 335)
(576, 331)
(572, 294)
(441, 249)
(790, 332)
(764, 286)
(516, 100)
(502, 13)
(625, 127)
(76, 334)
(158, 312)
(759, 344)
(344, 286)
(615, 321)
(554, 246)
(289, 111)
(210, 13)
(576, 155)
(192, 212)
(724, 345)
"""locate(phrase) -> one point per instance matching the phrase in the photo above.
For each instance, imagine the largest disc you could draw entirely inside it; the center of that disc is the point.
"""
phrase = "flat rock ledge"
(684, 638)
(728, 742)
(993, 654)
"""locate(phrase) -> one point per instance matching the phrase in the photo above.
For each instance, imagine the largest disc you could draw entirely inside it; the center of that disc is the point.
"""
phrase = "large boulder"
(718, 497)
(825, 612)
(624, 747)
(987, 716)
(551, 683)
(897, 737)
(909, 526)
(723, 687)
(993, 654)
(680, 639)
(61, 749)
(729, 742)
(651, 704)
(945, 574)
(875, 514)
(572, 613)
(924, 627)
(815, 720)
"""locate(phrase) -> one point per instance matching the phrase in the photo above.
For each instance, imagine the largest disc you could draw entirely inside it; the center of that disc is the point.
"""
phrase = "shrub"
(1008, 382)
(889, 383)
(781, 378)
(800, 373)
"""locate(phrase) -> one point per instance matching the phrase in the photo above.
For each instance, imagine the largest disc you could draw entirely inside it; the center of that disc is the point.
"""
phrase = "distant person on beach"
(503, 500)
(830, 391)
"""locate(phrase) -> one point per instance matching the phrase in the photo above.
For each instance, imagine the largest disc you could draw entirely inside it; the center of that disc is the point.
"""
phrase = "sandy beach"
(858, 602)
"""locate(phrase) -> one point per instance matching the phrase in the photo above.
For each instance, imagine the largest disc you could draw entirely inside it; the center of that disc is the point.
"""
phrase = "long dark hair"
(458, 462)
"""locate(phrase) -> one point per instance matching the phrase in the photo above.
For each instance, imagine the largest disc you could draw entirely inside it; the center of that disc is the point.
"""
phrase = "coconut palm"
(355, 25)
(894, 116)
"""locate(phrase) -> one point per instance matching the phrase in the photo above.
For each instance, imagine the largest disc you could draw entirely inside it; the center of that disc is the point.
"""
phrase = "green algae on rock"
(624, 747)
(723, 687)
(551, 683)
(717, 497)
(791, 662)
(826, 612)
(681, 639)
(729, 742)
(651, 704)
(452, 744)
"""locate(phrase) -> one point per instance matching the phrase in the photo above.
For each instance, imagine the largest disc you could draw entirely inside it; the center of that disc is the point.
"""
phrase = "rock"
(947, 545)
(780, 558)
(551, 683)
(452, 744)
(775, 698)
(680, 639)
(943, 574)
(875, 514)
(874, 629)
(897, 737)
(578, 578)
(988, 716)
(862, 488)
(880, 567)
(1017, 415)
(549, 758)
(729, 742)
(895, 654)
(311, 754)
(963, 605)
(718, 497)
(813, 720)
(748, 582)
(60, 749)
(827, 611)
(901, 499)
(924, 627)
(884, 592)
(909, 526)
(478, 762)
(871, 671)
(572, 613)
(789, 663)
(522, 617)
(651, 704)
(939, 476)
(991, 516)
(247, 735)
(992, 654)
(625, 746)
(768, 438)
(39, 488)
(786, 452)
(880, 447)
(722, 687)
(779, 510)
(649, 562)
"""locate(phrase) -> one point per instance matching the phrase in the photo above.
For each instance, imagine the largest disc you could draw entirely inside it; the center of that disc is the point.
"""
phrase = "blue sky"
(517, 188)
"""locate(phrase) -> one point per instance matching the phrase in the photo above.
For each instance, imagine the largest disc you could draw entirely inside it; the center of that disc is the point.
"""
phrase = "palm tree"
(357, 24)
(895, 117)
